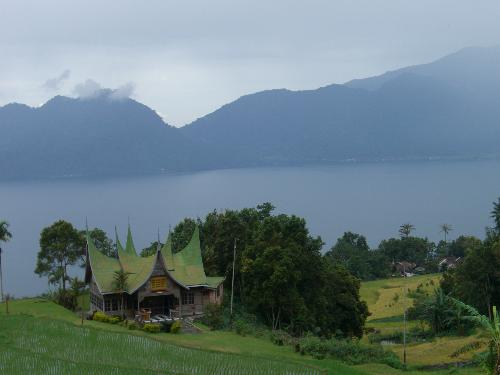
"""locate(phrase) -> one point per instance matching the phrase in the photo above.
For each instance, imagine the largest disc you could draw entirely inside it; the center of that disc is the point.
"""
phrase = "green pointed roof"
(166, 252)
(118, 243)
(188, 264)
(185, 267)
(129, 246)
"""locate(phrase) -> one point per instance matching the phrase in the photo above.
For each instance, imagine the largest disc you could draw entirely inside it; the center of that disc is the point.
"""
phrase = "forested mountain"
(449, 108)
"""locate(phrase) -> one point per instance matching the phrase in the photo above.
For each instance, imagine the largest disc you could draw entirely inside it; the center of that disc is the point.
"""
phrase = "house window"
(158, 284)
(115, 304)
(108, 304)
(188, 298)
(96, 300)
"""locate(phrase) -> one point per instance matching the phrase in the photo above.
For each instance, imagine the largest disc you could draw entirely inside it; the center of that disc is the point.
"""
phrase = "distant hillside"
(449, 108)
(99, 136)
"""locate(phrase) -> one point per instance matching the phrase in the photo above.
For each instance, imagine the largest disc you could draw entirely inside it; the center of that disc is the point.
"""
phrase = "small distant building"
(448, 263)
(172, 284)
(404, 268)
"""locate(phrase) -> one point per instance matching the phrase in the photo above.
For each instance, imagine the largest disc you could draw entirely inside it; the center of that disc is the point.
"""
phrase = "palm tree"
(120, 284)
(495, 214)
(76, 288)
(5, 236)
(491, 328)
(406, 229)
(445, 228)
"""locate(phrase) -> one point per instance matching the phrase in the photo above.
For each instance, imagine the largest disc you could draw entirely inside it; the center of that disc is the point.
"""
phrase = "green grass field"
(40, 337)
(386, 304)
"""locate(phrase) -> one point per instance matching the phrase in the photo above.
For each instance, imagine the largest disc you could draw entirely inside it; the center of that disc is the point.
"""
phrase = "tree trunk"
(496, 371)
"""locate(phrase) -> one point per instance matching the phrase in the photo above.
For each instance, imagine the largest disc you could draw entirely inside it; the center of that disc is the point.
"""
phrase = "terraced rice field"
(44, 346)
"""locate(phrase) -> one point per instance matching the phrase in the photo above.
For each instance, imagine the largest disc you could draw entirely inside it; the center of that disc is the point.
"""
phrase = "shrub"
(213, 316)
(176, 327)
(242, 327)
(114, 320)
(282, 338)
(99, 316)
(133, 326)
(166, 325)
(151, 327)
(350, 351)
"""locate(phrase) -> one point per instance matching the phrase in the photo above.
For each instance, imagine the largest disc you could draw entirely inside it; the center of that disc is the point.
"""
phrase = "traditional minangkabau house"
(172, 284)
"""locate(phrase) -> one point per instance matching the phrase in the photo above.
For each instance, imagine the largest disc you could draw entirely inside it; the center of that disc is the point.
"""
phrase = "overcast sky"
(187, 58)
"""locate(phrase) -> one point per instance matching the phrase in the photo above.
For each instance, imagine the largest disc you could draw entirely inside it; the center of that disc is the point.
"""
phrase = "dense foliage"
(280, 274)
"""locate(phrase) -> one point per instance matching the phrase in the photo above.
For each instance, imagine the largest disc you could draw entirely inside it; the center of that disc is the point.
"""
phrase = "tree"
(495, 214)
(347, 313)
(5, 236)
(101, 240)
(476, 279)
(60, 247)
(182, 233)
(151, 249)
(120, 285)
(76, 288)
(406, 229)
(445, 228)
(410, 249)
(352, 251)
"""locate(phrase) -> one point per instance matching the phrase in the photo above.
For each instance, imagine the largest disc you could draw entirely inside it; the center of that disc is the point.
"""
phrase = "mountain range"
(449, 108)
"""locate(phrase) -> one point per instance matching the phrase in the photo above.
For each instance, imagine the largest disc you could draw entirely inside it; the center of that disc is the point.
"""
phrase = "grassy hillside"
(39, 336)
(386, 303)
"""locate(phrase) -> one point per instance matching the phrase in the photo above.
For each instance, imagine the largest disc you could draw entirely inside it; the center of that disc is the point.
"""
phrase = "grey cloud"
(88, 89)
(55, 83)
(123, 92)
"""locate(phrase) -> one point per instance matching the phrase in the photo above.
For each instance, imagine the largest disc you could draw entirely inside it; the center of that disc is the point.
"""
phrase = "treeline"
(418, 254)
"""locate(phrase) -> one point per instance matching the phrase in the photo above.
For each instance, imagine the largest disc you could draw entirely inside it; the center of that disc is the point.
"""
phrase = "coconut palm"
(120, 284)
(406, 229)
(5, 236)
(445, 228)
(491, 328)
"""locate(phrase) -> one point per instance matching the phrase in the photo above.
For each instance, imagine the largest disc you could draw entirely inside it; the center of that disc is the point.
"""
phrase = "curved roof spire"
(129, 246)
(167, 253)
(118, 243)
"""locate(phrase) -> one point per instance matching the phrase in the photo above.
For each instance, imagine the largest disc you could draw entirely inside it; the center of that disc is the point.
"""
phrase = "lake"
(371, 199)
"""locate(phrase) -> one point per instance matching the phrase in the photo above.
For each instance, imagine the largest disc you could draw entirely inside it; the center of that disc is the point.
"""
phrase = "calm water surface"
(372, 199)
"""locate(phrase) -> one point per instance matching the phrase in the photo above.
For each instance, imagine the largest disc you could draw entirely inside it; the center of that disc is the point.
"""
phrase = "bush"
(213, 316)
(282, 338)
(176, 327)
(350, 351)
(133, 326)
(99, 316)
(242, 327)
(151, 327)
(166, 325)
